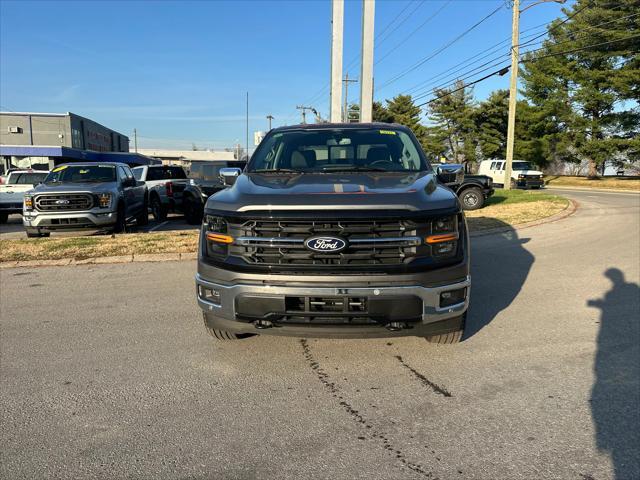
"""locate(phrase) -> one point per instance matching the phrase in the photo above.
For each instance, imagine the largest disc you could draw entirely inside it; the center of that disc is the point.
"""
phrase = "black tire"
(224, 335)
(4, 217)
(192, 212)
(121, 222)
(158, 210)
(472, 198)
(142, 220)
(38, 234)
(451, 337)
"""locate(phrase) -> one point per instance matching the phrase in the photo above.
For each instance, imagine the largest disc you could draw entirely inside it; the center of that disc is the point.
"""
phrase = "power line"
(440, 50)
(402, 42)
(506, 68)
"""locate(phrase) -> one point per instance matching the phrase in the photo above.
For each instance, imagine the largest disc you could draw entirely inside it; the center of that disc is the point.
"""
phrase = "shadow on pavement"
(615, 398)
(499, 267)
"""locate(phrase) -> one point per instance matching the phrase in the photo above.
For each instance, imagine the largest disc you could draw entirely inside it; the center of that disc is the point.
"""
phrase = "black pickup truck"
(335, 230)
(204, 181)
(472, 190)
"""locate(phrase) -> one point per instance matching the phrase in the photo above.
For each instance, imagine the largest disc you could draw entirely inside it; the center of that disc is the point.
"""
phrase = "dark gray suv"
(335, 230)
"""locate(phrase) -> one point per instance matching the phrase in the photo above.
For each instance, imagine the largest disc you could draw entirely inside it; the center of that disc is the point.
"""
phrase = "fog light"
(209, 294)
(445, 248)
(453, 297)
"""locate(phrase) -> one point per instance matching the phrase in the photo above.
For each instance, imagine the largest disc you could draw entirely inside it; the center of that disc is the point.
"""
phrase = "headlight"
(217, 240)
(28, 202)
(104, 200)
(444, 237)
(521, 176)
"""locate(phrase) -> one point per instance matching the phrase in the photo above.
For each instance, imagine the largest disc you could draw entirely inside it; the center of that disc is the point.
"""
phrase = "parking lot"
(544, 386)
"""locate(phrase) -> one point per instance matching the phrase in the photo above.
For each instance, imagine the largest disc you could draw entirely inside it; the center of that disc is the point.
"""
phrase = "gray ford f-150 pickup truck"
(77, 196)
(335, 230)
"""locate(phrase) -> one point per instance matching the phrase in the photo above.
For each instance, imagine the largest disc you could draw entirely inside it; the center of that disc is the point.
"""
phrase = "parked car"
(523, 175)
(94, 196)
(337, 230)
(472, 190)
(204, 181)
(12, 192)
(166, 185)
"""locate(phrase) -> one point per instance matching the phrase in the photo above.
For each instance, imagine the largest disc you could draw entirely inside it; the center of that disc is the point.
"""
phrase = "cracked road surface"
(107, 372)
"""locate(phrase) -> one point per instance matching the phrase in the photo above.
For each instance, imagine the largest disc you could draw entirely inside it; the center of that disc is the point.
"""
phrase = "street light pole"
(270, 117)
(513, 85)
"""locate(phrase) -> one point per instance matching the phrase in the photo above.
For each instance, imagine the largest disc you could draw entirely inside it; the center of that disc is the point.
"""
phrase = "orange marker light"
(447, 237)
(219, 238)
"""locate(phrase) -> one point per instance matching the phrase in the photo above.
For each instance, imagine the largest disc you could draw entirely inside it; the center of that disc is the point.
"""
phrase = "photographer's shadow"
(615, 397)
(499, 267)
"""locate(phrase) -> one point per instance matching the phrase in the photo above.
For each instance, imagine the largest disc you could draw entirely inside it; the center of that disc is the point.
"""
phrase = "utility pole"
(135, 140)
(513, 92)
(337, 30)
(513, 85)
(346, 80)
(247, 126)
(304, 113)
(270, 117)
(366, 70)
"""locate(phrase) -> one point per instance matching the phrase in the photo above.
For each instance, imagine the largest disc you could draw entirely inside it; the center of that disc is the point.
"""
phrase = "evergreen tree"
(452, 113)
(402, 110)
(381, 114)
(586, 81)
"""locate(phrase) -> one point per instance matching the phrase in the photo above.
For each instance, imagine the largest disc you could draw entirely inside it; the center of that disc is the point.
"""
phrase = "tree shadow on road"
(615, 397)
(499, 267)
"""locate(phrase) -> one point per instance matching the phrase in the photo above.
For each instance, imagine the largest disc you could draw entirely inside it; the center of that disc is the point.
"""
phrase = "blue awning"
(66, 153)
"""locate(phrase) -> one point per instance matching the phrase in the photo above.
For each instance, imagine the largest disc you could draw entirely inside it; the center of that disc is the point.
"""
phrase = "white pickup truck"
(166, 184)
(17, 183)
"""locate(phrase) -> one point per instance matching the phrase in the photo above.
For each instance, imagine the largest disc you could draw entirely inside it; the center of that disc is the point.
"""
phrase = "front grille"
(369, 242)
(63, 202)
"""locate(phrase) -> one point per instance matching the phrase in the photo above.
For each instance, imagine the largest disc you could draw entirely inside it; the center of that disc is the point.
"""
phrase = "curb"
(569, 210)
(175, 257)
(598, 190)
(138, 258)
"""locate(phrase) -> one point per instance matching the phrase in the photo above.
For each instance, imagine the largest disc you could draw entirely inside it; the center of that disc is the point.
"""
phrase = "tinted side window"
(137, 172)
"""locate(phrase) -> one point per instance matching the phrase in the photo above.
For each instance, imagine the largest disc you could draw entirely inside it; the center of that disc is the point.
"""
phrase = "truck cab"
(523, 175)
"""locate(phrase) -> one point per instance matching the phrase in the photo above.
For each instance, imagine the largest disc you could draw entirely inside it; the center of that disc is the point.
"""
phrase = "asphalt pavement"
(107, 372)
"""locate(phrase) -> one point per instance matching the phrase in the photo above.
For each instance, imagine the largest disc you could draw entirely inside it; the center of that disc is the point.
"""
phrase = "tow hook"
(395, 326)
(262, 324)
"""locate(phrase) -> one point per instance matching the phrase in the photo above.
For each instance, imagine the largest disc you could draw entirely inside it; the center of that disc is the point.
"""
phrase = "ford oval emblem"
(325, 244)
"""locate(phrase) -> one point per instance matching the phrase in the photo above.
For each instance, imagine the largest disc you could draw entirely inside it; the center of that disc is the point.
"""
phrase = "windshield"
(338, 150)
(82, 173)
(521, 166)
(165, 173)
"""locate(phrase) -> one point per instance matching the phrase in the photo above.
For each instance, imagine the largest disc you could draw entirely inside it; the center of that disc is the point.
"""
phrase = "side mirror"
(128, 182)
(229, 175)
(450, 175)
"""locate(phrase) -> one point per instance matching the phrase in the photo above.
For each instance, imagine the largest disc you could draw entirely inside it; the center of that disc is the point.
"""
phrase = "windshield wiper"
(355, 169)
(276, 170)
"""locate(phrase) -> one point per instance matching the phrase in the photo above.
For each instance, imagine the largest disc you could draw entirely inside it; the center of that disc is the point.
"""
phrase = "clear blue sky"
(178, 71)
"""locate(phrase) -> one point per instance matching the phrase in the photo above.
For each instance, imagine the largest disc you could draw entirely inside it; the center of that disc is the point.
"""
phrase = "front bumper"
(530, 183)
(434, 319)
(51, 221)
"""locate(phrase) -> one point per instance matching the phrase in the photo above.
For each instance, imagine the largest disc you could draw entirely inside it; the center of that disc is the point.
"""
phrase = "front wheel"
(450, 337)
(472, 198)
(120, 220)
(142, 220)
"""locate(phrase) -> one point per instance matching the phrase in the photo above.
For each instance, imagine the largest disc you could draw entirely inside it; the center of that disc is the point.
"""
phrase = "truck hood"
(75, 187)
(334, 191)
(527, 172)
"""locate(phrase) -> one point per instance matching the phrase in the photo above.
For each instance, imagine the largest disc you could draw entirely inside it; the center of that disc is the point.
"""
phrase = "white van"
(522, 174)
